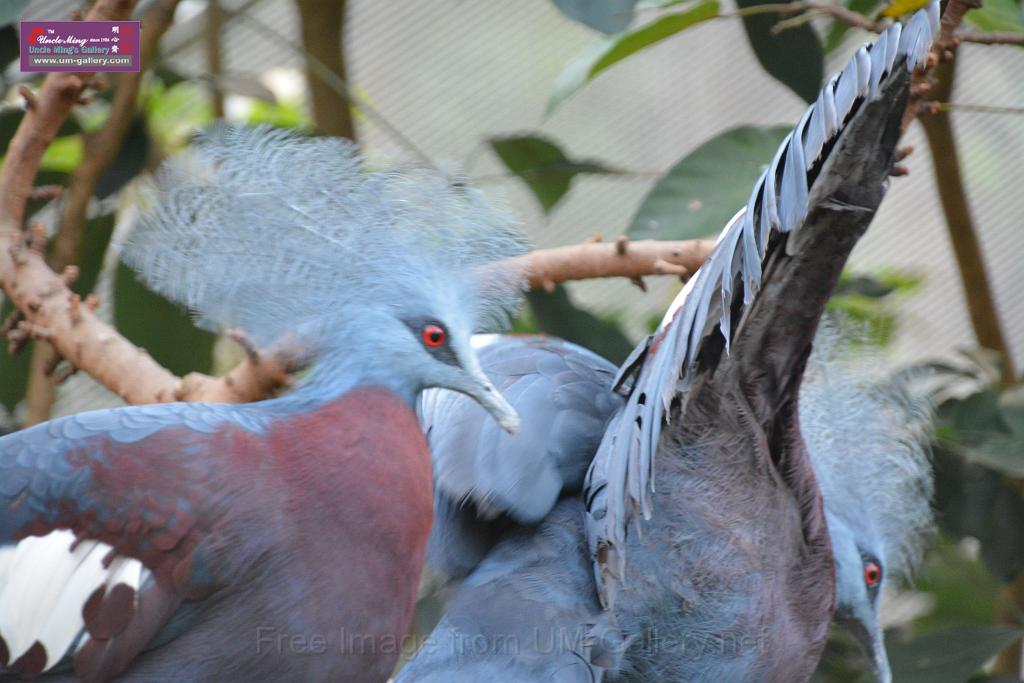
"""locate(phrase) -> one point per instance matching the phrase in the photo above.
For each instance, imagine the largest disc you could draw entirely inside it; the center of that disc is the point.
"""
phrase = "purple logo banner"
(85, 46)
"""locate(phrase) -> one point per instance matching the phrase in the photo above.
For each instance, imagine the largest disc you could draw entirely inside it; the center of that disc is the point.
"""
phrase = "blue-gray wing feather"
(486, 478)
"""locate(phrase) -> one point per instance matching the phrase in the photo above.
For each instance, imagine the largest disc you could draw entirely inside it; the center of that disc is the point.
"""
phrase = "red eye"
(434, 336)
(872, 574)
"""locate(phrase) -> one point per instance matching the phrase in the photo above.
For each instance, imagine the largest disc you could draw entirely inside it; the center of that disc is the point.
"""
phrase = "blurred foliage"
(698, 195)
(280, 114)
(543, 166)
(64, 154)
(950, 656)
(161, 327)
(997, 15)
(794, 57)
(130, 161)
(965, 591)
(10, 10)
(13, 370)
(607, 16)
(870, 301)
(174, 110)
(555, 314)
(605, 52)
(979, 460)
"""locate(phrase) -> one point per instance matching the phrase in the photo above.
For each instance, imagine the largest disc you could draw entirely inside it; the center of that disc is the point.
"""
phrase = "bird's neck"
(337, 374)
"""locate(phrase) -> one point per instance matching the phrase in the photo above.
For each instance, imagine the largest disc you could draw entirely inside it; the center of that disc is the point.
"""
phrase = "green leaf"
(606, 16)
(794, 57)
(837, 30)
(975, 500)
(64, 154)
(175, 112)
(542, 166)
(13, 369)
(704, 190)
(168, 75)
(555, 314)
(965, 593)
(877, 285)
(279, 114)
(1012, 404)
(160, 326)
(879, 323)
(987, 429)
(10, 10)
(998, 16)
(607, 51)
(1002, 453)
(95, 241)
(949, 656)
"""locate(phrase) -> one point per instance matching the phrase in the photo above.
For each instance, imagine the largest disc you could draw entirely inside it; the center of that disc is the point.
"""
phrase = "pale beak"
(872, 640)
(480, 389)
(879, 658)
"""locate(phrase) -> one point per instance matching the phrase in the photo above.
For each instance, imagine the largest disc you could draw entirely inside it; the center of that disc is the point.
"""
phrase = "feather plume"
(868, 437)
(276, 233)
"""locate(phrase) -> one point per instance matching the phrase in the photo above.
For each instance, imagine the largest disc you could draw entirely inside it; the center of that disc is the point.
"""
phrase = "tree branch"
(101, 149)
(214, 61)
(323, 31)
(622, 258)
(991, 38)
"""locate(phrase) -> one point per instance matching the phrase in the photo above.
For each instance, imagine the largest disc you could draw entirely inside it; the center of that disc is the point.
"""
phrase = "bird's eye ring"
(434, 335)
(872, 574)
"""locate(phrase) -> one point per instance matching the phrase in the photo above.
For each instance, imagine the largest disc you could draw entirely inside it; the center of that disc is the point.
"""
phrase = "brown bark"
(549, 267)
(101, 149)
(214, 23)
(323, 29)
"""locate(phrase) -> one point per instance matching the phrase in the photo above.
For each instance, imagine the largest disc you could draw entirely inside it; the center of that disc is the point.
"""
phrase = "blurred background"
(650, 119)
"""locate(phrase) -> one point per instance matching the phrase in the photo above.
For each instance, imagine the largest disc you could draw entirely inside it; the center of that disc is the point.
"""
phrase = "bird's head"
(860, 575)
(426, 343)
(382, 276)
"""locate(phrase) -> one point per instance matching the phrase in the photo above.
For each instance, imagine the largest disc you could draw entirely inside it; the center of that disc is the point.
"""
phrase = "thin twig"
(546, 268)
(991, 38)
(977, 108)
(806, 12)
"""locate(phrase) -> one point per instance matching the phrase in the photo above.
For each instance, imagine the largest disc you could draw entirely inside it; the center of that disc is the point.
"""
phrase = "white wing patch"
(45, 582)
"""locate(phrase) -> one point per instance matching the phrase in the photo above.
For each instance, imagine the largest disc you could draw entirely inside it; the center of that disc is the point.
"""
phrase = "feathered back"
(867, 435)
(276, 233)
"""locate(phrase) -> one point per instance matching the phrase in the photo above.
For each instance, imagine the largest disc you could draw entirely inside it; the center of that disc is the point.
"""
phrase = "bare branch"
(101, 149)
(622, 258)
(991, 38)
